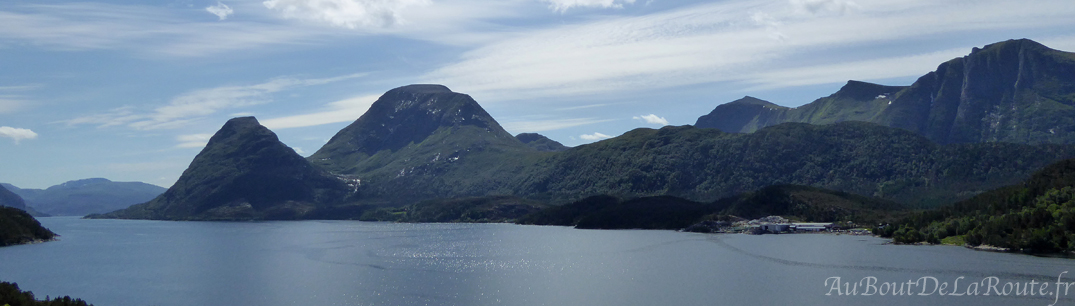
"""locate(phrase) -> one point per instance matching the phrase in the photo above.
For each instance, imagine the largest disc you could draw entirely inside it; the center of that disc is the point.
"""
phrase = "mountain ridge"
(424, 142)
(1012, 91)
(87, 196)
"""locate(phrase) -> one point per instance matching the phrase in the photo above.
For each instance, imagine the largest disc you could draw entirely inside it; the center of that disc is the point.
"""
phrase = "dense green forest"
(855, 157)
(1036, 216)
(18, 227)
(807, 203)
(11, 295)
(801, 203)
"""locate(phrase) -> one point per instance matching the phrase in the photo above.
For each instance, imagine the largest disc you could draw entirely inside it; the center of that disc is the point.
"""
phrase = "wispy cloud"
(13, 98)
(346, 13)
(345, 110)
(144, 29)
(652, 119)
(193, 140)
(595, 136)
(582, 107)
(221, 10)
(200, 103)
(116, 116)
(529, 126)
(17, 134)
(728, 41)
(8, 105)
(873, 69)
(563, 5)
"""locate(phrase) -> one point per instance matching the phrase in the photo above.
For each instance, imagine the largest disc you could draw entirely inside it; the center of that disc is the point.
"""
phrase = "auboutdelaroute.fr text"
(960, 286)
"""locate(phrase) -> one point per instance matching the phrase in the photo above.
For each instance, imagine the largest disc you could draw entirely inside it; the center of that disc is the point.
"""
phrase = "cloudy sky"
(131, 90)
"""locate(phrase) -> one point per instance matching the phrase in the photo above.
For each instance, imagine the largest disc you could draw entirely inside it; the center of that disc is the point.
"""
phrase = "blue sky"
(131, 90)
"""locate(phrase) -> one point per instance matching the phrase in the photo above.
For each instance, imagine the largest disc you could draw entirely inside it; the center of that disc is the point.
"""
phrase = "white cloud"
(652, 119)
(771, 25)
(346, 13)
(221, 10)
(193, 140)
(200, 103)
(345, 110)
(594, 136)
(563, 5)
(299, 151)
(17, 134)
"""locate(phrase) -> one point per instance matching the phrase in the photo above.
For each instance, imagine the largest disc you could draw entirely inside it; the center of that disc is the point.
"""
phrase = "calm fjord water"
(125, 262)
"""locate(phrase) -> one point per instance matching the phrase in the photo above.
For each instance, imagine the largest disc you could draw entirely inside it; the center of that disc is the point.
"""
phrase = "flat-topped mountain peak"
(408, 116)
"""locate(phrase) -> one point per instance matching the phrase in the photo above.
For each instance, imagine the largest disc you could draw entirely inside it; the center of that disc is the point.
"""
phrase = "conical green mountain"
(1014, 91)
(420, 142)
(244, 172)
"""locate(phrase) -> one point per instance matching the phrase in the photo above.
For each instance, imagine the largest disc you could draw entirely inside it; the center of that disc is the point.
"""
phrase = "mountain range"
(1016, 91)
(86, 196)
(426, 142)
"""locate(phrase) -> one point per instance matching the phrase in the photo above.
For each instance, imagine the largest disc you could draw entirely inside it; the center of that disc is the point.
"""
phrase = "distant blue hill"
(87, 196)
